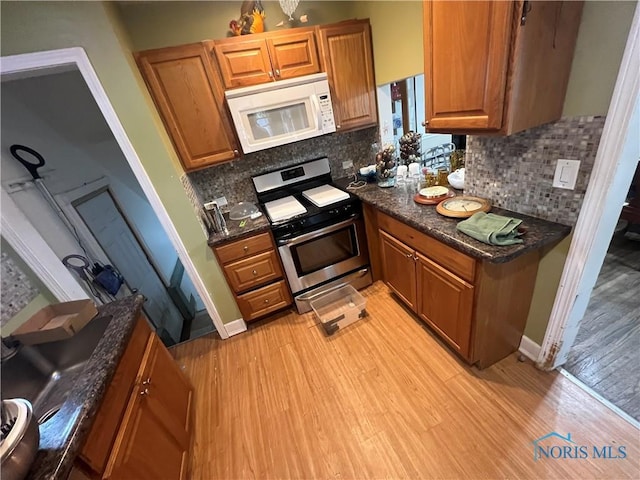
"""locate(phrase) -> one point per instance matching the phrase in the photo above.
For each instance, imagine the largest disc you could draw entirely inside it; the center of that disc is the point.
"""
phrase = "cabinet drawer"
(448, 257)
(264, 300)
(244, 248)
(253, 271)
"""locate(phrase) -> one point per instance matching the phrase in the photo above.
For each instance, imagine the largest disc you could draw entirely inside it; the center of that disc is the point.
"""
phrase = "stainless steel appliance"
(318, 229)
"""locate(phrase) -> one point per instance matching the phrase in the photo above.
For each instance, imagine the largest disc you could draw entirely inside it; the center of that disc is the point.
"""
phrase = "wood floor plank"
(382, 398)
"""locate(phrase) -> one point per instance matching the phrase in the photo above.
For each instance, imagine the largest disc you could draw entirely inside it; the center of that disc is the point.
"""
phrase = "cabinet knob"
(270, 74)
(409, 255)
(245, 248)
(277, 72)
(254, 273)
(236, 153)
(266, 300)
(146, 382)
(337, 127)
(425, 123)
(145, 392)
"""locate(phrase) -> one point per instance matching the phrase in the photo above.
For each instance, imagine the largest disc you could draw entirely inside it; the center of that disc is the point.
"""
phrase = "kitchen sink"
(44, 374)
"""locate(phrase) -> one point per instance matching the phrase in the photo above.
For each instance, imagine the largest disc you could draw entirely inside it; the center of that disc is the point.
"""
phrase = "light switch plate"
(566, 174)
(347, 164)
(221, 201)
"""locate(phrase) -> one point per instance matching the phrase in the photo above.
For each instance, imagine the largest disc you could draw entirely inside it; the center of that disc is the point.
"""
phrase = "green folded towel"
(491, 229)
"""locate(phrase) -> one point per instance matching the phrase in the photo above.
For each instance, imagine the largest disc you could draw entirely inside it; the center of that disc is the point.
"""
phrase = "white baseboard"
(529, 348)
(235, 327)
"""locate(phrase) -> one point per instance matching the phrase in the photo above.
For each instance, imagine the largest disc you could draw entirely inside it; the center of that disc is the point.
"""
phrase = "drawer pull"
(266, 300)
(254, 273)
(245, 248)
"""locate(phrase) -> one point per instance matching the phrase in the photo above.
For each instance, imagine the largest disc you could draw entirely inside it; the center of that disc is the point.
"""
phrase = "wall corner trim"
(237, 326)
(529, 348)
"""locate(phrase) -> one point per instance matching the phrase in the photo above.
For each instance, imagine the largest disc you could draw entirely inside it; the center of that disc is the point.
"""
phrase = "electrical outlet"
(221, 201)
(566, 174)
(347, 164)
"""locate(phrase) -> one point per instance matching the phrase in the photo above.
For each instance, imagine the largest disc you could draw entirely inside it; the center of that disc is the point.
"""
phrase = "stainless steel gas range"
(318, 228)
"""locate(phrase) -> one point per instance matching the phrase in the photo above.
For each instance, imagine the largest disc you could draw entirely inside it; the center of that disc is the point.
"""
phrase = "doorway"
(66, 116)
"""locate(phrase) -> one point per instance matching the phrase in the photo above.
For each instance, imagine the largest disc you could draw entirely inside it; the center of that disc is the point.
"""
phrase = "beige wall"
(36, 26)
(599, 48)
(396, 28)
(162, 24)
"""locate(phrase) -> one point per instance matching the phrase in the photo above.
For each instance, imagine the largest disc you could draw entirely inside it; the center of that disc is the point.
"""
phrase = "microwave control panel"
(326, 112)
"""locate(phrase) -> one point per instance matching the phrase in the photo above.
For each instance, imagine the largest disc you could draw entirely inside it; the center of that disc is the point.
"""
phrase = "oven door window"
(324, 251)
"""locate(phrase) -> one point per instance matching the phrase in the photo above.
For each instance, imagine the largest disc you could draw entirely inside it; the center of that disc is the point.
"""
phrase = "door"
(243, 61)
(445, 303)
(466, 55)
(107, 224)
(188, 93)
(399, 268)
(348, 58)
(153, 441)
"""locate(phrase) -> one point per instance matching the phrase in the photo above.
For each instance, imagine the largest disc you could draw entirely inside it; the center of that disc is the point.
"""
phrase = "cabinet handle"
(145, 392)
(338, 127)
(245, 248)
(526, 8)
(146, 382)
(266, 300)
(415, 258)
(254, 273)
(277, 72)
(409, 255)
(270, 74)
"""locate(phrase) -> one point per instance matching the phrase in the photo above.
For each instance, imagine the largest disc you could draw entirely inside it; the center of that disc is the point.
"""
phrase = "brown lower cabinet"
(143, 428)
(477, 307)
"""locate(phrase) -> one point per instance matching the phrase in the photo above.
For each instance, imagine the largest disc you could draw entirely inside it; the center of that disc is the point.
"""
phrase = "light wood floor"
(383, 399)
(606, 353)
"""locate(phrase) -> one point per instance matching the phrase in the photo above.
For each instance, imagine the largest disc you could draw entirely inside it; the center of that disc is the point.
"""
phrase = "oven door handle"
(317, 233)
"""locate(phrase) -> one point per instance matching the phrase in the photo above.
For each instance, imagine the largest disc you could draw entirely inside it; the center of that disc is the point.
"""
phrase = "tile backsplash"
(516, 172)
(233, 179)
(17, 291)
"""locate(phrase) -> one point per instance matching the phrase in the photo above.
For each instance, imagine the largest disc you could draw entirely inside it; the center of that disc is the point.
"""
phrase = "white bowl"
(456, 179)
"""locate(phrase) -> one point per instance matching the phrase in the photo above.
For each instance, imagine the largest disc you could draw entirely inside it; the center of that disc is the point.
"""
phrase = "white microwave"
(281, 112)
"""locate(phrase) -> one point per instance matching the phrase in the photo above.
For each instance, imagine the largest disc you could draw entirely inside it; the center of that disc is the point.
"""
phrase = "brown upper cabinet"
(185, 85)
(267, 57)
(347, 57)
(497, 67)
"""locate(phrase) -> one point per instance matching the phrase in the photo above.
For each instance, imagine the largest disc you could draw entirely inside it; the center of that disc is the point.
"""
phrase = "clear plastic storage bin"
(339, 308)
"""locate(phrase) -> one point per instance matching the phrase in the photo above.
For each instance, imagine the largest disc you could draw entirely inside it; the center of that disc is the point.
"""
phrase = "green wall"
(599, 48)
(600, 45)
(36, 26)
(396, 28)
(162, 24)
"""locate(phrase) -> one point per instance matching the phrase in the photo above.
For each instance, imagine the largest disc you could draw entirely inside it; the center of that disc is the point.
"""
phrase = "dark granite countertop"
(398, 203)
(236, 231)
(62, 437)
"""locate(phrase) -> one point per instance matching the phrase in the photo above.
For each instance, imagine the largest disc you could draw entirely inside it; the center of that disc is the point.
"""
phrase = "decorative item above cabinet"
(497, 67)
(185, 85)
(267, 57)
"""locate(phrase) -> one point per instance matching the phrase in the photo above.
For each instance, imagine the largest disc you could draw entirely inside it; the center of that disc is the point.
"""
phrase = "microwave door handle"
(316, 105)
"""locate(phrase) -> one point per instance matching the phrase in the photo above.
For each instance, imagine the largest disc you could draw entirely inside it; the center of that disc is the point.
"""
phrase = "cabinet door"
(399, 268)
(445, 302)
(466, 57)
(186, 89)
(154, 437)
(348, 59)
(243, 62)
(294, 54)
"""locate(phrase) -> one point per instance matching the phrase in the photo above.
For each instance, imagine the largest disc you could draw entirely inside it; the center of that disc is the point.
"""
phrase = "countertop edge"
(72, 423)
